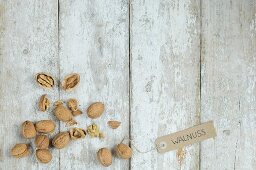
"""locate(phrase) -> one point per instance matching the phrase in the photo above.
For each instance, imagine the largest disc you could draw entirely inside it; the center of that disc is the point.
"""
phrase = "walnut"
(77, 133)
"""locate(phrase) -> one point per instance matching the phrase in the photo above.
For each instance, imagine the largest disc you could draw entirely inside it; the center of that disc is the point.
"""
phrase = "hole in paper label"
(162, 145)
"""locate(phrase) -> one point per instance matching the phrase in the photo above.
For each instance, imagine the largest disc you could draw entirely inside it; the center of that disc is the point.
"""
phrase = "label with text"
(185, 137)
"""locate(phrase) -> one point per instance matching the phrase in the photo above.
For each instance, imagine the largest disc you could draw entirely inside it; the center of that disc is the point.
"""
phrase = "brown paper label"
(185, 137)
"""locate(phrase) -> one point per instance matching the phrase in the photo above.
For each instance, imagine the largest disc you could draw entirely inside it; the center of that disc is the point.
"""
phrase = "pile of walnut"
(42, 129)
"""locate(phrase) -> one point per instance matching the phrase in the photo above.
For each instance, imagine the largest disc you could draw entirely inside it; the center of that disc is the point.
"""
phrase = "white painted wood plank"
(28, 45)
(165, 58)
(229, 83)
(94, 43)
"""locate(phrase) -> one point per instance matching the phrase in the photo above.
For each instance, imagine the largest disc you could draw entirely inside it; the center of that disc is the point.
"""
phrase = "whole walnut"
(104, 157)
(20, 150)
(45, 126)
(28, 129)
(63, 113)
(95, 110)
(61, 140)
(43, 155)
(42, 142)
(123, 151)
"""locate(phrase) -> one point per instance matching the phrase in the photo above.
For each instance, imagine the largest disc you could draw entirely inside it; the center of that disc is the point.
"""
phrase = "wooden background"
(158, 65)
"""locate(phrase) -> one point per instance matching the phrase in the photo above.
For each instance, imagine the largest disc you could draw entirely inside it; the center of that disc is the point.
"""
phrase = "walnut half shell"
(114, 124)
(45, 80)
(44, 103)
(70, 81)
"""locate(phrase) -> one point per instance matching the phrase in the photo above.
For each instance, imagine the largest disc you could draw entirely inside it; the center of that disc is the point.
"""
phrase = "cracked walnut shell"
(104, 156)
(28, 129)
(77, 133)
(44, 103)
(73, 106)
(70, 81)
(20, 150)
(45, 80)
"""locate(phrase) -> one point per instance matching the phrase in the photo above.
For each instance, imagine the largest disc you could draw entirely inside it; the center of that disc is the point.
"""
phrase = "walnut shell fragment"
(61, 140)
(114, 124)
(20, 150)
(73, 106)
(44, 103)
(42, 142)
(63, 113)
(104, 157)
(77, 112)
(45, 126)
(70, 81)
(43, 155)
(45, 80)
(95, 110)
(123, 151)
(77, 133)
(28, 129)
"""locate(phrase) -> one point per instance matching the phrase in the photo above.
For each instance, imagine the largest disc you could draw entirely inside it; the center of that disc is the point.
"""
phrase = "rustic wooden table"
(158, 65)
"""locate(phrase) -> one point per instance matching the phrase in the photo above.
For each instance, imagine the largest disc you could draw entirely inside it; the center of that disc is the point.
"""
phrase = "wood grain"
(158, 65)
(165, 60)
(229, 83)
(94, 43)
(28, 37)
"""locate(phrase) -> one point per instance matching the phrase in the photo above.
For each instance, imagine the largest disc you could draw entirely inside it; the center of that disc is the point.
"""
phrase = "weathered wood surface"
(165, 69)
(229, 83)
(158, 65)
(94, 42)
(29, 44)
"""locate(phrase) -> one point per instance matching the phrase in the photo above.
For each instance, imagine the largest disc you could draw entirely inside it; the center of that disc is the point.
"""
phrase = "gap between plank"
(130, 78)
(58, 65)
(200, 74)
